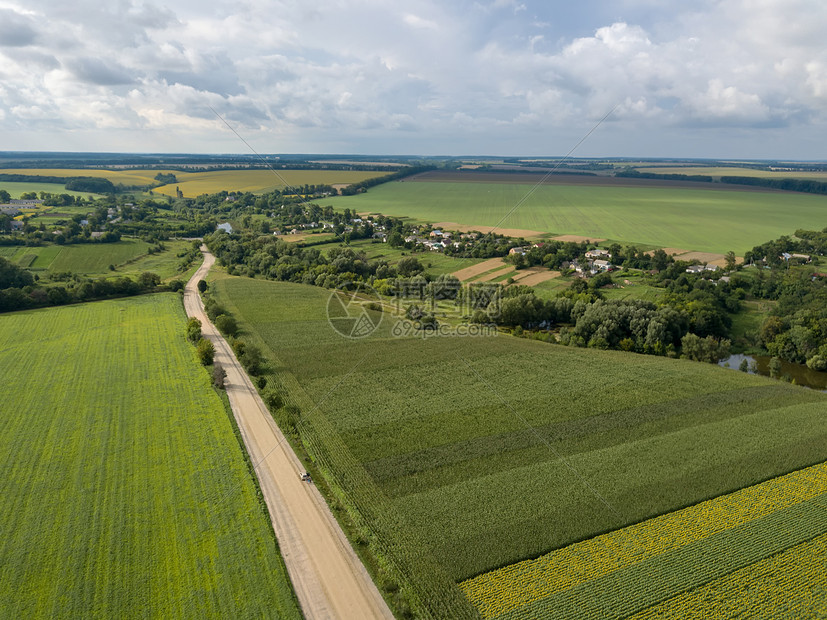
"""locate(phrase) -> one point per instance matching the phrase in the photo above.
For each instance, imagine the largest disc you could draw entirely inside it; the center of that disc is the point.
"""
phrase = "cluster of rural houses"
(437, 240)
(13, 208)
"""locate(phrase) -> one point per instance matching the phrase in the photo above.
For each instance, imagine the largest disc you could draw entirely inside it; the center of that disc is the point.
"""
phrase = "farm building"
(601, 265)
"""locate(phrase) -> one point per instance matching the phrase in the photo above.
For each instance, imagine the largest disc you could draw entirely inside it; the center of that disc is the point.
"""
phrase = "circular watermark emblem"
(354, 311)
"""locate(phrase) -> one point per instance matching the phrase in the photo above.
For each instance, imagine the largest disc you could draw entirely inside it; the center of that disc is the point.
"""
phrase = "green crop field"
(125, 492)
(194, 184)
(129, 256)
(705, 218)
(126, 177)
(17, 189)
(462, 455)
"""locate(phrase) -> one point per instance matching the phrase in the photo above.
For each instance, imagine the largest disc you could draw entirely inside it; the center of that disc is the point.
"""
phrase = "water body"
(760, 364)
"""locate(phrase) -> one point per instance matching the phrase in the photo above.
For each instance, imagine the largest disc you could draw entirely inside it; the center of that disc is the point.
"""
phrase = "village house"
(598, 253)
(600, 266)
(520, 251)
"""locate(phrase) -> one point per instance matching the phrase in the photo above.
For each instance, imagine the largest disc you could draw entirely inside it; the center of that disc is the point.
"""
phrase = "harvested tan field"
(578, 239)
(704, 257)
(474, 270)
(536, 275)
(675, 251)
(509, 232)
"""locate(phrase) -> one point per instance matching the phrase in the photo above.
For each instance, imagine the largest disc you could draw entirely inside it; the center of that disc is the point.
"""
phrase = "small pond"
(760, 364)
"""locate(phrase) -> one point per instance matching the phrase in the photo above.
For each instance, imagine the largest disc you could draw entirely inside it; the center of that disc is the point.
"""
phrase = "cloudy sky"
(720, 79)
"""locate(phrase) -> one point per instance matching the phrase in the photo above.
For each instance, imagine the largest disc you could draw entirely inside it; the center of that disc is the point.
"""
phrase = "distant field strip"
(125, 493)
(704, 218)
(676, 552)
(194, 184)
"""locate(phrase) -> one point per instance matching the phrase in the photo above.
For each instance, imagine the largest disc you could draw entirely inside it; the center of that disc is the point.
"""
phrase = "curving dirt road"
(329, 579)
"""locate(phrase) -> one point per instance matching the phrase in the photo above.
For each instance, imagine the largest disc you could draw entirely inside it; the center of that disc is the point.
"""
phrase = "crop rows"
(428, 440)
(672, 551)
(792, 584)
(125, 492)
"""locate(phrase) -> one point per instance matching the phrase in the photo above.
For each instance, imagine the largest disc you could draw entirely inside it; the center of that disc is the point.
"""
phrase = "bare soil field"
(474, 270)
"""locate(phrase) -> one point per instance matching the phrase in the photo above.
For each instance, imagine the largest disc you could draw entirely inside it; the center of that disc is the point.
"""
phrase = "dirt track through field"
(328, 577)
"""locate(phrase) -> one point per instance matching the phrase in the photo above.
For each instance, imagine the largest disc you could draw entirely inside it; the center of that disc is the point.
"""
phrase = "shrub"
(205, 351)
(194, 330)
(226, 325)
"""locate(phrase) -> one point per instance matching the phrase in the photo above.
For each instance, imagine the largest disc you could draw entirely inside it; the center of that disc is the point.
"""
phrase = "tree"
(409, 266)
(4, 196)
(660, 260)
(218, 376)
(775, 367)
(205, 351)
(704, 349)
(253, 359)
(395, 239)
(194, 330)
(202, 286)
(149, 280)
(226, 325)
(730, 260)
(744, 366)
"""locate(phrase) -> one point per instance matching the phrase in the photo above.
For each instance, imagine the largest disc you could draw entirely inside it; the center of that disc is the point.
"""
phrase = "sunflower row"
(791, 584)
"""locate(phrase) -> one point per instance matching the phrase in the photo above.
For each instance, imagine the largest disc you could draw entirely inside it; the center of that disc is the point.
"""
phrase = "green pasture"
(125, 491)
(703, 219)
(461, 455)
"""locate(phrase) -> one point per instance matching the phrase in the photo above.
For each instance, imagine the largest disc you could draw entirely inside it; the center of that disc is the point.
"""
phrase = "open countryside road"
(329, 579)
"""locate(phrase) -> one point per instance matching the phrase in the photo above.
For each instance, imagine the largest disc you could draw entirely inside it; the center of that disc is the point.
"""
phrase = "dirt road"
(327, 576)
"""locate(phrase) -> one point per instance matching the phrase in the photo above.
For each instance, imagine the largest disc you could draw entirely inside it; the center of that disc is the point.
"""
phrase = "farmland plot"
(461, 455)
(718, 550)
(125, 492)
(733, 218)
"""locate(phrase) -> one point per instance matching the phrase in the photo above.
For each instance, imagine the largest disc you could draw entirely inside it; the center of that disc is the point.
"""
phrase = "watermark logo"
(417, 308)
(354, 311)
